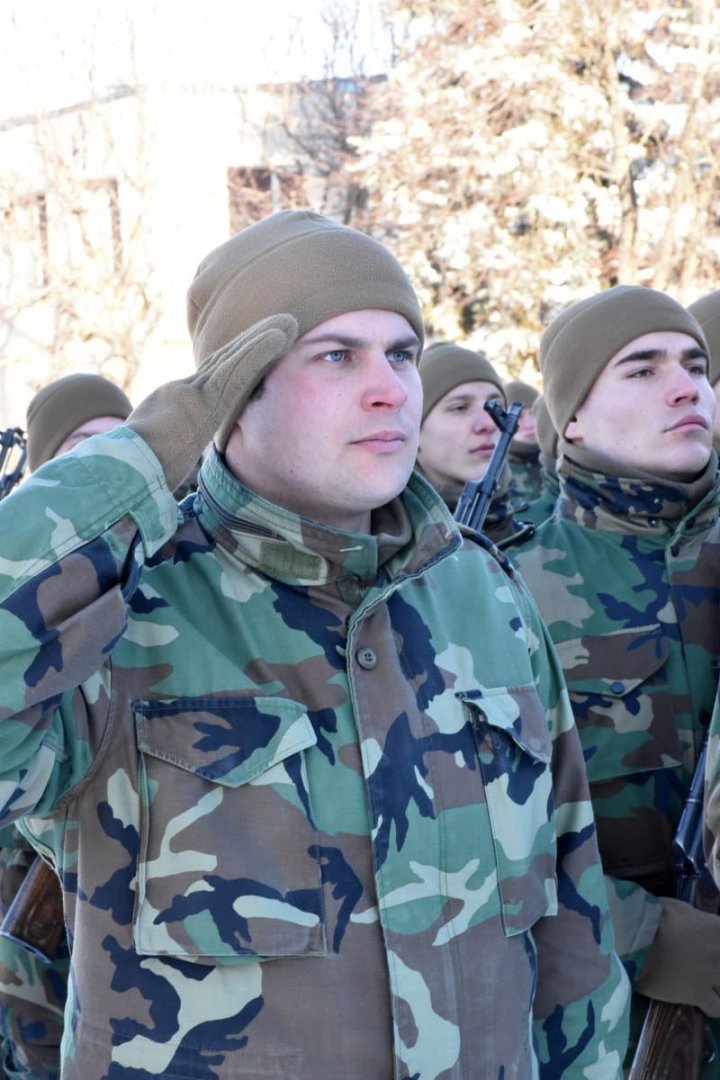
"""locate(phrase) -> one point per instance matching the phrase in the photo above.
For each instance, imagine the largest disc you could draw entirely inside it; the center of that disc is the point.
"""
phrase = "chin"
(684, 472)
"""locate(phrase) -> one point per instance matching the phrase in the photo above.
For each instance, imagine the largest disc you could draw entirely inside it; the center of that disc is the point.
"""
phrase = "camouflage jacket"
(32, 990)
(300, 797)
(541, 508)
(526, 470)
(626, 574)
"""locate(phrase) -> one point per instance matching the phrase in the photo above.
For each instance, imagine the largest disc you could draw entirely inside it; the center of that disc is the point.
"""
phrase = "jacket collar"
(592, 493)
(408, 534)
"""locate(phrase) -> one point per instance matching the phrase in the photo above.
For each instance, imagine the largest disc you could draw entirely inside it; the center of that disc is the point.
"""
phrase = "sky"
(52, 53)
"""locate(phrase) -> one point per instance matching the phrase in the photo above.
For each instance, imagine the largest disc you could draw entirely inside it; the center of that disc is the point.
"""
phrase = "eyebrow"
(658, 354)
(412, 341)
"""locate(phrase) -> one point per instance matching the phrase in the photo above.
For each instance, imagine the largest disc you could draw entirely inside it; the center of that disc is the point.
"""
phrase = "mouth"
(383, 440)
(691, 423)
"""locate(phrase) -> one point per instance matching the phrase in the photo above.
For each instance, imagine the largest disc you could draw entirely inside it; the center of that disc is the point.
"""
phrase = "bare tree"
(525, 153)
(76, 278)
(307, 127)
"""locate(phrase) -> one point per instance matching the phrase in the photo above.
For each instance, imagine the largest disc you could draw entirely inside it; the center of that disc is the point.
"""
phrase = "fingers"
(277, 333)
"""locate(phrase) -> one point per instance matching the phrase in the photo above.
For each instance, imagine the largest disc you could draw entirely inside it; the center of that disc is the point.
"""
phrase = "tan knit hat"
(547, 436)
(517, 390)
(64, 405)
(294, 262)
(445, 365)
(578, 344)
(707, 312)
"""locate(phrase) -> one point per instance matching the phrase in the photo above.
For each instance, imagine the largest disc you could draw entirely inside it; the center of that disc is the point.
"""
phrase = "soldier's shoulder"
(477, 541)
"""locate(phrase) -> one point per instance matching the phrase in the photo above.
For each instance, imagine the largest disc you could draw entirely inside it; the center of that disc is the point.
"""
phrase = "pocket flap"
(228, 740)
(612, 664)
(516, 712)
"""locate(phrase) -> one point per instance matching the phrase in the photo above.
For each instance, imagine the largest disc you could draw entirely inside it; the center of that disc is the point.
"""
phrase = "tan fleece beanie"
(298, 263)
(578, 344)
(517, 390)
(64, 405)
(707, 312)
(445, 365)
(547, 436)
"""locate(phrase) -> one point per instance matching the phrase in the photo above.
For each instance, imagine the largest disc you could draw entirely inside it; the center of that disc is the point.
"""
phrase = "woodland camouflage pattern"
(32, 992)
(297, 784)
(627, 577)
(524, 462)
(541, 508)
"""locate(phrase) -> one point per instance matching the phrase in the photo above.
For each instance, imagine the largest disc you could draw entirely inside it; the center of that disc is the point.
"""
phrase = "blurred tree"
(526, 153)
(77, 290)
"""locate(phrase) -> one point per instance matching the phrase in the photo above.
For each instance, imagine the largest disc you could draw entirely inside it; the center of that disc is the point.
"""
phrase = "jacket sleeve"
(582, 1004)
(73, 538)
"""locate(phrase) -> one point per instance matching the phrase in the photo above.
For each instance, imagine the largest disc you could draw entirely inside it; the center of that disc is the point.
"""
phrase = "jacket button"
(616, 687)
(366, 658)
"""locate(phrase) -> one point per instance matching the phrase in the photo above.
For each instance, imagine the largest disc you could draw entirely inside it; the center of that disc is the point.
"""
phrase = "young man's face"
(334, 432)
(458, 436)
(651, 408)
(526, 429)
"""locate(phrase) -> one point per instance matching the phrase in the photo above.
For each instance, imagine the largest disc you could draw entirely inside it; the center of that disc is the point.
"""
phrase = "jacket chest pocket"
(514, 752)
(622, 702)
(228, 864)
(625, 714)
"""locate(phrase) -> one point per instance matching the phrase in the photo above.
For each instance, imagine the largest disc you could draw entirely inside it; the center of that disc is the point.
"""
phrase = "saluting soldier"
(301, 753)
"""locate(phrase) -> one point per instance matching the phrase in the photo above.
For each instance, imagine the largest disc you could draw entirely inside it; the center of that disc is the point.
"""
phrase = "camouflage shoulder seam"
(492, 548)
(524, 533)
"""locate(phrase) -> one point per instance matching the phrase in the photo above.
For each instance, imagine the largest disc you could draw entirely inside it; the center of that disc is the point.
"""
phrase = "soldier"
(457, 434)
(33, 991)
(707, 312)
(301, 753)
(542, 507)
(627, 577)
(524, 456)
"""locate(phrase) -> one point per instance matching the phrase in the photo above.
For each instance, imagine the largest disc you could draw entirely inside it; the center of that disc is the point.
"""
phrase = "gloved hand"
(179, 419)
(683, 966)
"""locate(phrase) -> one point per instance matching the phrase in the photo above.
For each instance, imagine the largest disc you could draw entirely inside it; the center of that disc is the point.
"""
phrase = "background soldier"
(707, 312)
(303, 756)
(33, 992)
(627, 576)
(457, 434)
(547, 437)
(524, 456)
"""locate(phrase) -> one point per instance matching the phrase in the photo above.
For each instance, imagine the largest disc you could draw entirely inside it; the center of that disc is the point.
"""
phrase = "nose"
(683, 385)
(482, 420)
(386, 389)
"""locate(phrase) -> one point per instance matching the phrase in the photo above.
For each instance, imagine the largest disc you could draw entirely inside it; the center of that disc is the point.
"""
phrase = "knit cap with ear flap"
(63, 406)
(547, 436)
(298, 263)
(579, 342)
(707, 312)
(517, 390)
(445, 365)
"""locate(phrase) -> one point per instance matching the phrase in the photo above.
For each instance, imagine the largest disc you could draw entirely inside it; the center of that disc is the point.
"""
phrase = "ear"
(573, 431)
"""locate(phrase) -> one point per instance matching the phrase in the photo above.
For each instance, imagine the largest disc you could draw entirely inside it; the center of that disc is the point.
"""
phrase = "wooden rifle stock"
(671, 1043)
(672, 1040)
(35, 917)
